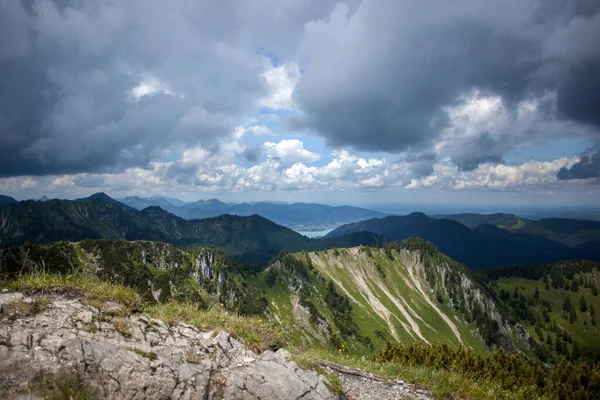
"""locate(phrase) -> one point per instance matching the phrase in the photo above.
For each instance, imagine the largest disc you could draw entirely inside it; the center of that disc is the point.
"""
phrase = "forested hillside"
(557, 303)
(253, 238)
(485, 246)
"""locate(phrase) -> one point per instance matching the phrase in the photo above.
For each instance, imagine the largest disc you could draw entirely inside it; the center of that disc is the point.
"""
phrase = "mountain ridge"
(299, 216)
(474, 248)
(252, 238)
(6, 200)
(568, 231)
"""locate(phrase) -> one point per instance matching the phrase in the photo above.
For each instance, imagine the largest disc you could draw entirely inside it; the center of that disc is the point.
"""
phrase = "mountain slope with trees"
(570, 232)
(252, 238)
(556, 302)
(485, 246)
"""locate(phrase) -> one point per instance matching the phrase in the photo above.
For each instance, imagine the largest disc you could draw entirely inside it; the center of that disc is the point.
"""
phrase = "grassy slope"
(389, 307)
(586, 334)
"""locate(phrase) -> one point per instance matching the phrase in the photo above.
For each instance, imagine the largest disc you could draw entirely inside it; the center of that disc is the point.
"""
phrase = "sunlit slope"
(557, 303)
(390, 295)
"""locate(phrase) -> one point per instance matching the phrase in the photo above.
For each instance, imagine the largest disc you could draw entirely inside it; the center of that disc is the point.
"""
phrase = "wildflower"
(260, 320)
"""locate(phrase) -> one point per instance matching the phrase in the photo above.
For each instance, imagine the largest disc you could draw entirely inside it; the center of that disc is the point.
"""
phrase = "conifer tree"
(537, 293)
(567, 305)
(545, 316)
(592, 311)
(582, 304)
(574, 286)
(558, 346)
(572, 316)
(538, 331)
(576, 352)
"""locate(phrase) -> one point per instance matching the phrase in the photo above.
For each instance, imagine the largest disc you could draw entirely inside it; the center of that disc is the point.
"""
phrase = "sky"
(357, 102)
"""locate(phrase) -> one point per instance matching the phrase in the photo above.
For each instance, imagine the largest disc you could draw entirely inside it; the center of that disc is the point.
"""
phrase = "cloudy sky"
(372, 101)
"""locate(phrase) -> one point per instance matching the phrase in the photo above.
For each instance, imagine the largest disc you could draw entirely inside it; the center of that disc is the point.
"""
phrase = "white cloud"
(62, 182)
(531, 174)
(149, 86)
(482, 128)
(194, 156)
(290, 151)
(281, 82)
(258, 130)
(287, 168)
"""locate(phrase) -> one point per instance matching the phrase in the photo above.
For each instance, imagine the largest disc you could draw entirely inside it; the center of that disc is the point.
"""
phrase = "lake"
(315, 234)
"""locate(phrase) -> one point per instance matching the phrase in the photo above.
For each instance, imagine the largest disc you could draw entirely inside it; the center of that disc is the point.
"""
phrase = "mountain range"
(570, 232)
(251, 238)
(483, 244)
(297, 216)
(476, 240)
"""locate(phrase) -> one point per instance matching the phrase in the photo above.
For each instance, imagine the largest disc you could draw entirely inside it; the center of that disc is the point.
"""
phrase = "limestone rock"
(152, 361)
(144, 358)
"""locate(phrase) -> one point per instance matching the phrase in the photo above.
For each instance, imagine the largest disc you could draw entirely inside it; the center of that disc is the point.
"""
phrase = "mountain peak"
(6, 200)
(101, 196)
(417, 216)
(107, 199)
(214, 201)
(129, 197)
(44, 198)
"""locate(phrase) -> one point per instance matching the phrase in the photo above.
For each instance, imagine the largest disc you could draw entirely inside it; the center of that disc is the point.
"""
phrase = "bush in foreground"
(509, 371)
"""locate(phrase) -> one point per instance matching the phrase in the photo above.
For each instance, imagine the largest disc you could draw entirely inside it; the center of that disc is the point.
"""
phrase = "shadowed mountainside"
(483, 247)
(253, 238)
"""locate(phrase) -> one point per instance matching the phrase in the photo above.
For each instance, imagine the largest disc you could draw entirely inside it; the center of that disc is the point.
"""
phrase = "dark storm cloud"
(378, 74)
(252, 153)
(382, 78)
(181, 174)
(421, 164)
(67, 69)
(483, 148)
(588, 167)
(579, 94)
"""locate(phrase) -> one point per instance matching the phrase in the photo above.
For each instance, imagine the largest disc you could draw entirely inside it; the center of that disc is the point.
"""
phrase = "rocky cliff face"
(50, 339)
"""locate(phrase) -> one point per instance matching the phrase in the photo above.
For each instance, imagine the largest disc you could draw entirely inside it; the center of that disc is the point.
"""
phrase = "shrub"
(510, 371)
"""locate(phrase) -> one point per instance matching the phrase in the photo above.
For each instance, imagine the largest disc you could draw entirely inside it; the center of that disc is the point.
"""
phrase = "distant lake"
(314, 234)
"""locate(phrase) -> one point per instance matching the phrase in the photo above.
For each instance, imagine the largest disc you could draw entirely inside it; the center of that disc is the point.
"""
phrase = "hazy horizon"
(534, 211)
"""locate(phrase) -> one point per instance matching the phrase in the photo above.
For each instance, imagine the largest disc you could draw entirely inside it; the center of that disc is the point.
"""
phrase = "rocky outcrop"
(204, 263)
(119, 356)
(139, 357)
